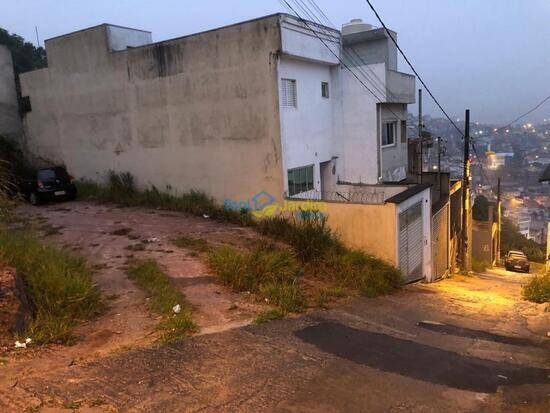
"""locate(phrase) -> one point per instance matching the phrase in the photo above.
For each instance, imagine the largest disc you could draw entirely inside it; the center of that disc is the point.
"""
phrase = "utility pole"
(439, 164)
(499, 221)
(420, 135)
(464, 259)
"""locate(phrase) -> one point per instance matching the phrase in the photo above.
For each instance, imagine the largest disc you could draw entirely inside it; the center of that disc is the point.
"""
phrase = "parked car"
(516, 261)
(49, 184)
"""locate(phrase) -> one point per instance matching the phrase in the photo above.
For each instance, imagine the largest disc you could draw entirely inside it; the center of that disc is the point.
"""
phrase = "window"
(25, 105)
(300, 180)
(324, 89)
(388, 133)
(288, 93)
(403, 131)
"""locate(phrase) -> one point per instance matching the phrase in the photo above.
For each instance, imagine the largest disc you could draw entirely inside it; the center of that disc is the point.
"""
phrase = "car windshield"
(46, 175)
(61, 173)
(51, 174)
(517, 255)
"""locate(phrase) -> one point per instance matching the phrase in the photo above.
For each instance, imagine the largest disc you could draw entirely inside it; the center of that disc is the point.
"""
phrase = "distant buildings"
(497, 160)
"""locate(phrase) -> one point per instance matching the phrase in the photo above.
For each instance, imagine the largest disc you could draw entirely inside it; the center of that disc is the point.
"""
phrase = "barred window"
(300, 180)
(289, 96)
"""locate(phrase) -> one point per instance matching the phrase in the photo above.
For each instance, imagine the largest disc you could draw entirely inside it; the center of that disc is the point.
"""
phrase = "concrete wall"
(197, 112)
(353, 223)
(484, 240)
(10, 123)
(120, 38)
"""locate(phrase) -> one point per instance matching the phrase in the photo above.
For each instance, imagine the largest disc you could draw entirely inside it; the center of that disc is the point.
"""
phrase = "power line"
(379, 88)
(538, 105)
(412, 67)
(307, 24)
(429, 91)
(330, 24)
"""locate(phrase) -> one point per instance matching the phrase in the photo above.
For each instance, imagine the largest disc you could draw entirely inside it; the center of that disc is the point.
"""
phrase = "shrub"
(192, 244)
(266, 271)
(310, 236)
(480, 266)
(59, 284)
(357, 270)
(512, 239)
(537, 289)
(121, 188)
(163, 297)
(7, 190)
(269, 315)
(316, 245)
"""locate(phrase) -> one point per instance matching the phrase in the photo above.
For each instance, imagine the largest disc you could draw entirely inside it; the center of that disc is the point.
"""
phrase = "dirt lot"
(89, 229)
(462, 344)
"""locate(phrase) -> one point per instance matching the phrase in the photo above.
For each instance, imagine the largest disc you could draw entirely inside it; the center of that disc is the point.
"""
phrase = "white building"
(333, 128)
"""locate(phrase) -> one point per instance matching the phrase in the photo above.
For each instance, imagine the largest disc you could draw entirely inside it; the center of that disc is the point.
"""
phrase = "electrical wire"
(412, 68)
(344, 64)
(379, 87)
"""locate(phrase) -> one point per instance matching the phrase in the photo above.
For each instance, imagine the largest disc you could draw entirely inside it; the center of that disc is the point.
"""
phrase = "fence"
(371, 197)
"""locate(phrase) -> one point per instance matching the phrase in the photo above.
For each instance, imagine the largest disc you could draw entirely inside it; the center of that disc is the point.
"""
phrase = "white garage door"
(411, 243)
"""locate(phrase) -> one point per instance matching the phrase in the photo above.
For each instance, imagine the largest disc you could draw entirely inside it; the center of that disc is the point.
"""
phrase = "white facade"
(342, 135)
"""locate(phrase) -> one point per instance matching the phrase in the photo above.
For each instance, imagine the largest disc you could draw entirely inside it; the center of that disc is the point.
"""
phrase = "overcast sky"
(492, 56)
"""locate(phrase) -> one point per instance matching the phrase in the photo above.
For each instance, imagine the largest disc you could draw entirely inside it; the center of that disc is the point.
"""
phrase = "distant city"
(517, 154)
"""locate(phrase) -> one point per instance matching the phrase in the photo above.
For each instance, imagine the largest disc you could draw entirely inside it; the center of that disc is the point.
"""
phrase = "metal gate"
(411, 241)
(440, 243)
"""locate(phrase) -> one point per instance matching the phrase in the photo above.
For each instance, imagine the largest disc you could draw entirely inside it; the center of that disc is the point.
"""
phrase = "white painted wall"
(298, 40)
(359, 126)
(307, 130)
(426, 198)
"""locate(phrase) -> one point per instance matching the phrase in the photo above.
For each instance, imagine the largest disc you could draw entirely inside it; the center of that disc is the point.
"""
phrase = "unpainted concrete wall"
(10, 123)
(197, 112)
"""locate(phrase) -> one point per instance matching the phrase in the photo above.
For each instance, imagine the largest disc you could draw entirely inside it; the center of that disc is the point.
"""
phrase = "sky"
(491, 56)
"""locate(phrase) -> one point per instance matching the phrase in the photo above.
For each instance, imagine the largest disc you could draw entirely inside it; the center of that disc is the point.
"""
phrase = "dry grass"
(193, 244)
(267, 271)
(163, 297)
(120, 188)
(59, 284)
(323, 255)
(537, 289)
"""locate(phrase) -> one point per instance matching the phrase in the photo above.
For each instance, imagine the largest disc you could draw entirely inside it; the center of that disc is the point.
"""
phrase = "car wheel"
(33, 199)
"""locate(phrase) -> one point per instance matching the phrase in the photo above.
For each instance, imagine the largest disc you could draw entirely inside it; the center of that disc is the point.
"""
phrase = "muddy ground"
(464, 344)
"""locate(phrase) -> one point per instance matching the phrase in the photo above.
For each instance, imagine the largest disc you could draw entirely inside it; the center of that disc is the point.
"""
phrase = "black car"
(49, 184)
(517, 261)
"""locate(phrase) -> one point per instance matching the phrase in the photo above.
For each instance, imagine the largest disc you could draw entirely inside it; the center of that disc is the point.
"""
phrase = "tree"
(480, 210)
(26, 56)
(512, 239)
